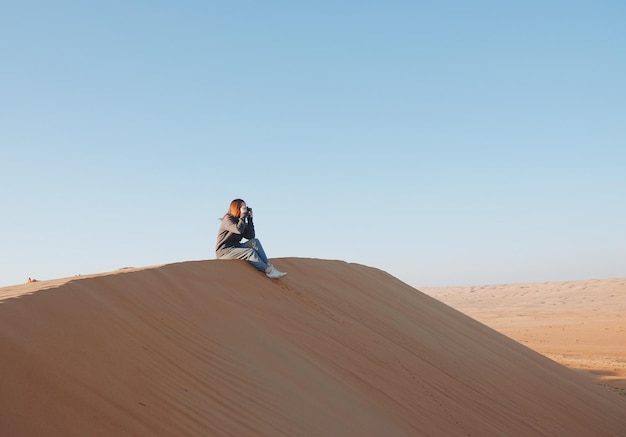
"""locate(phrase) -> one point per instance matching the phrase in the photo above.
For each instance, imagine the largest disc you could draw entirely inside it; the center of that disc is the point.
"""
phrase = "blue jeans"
(250, 251)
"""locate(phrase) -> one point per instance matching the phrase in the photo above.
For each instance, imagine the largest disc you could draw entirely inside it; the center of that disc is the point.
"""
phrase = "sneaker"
(275, 274)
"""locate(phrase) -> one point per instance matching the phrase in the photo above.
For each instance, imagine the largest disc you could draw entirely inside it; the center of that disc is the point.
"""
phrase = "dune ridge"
(213, 348)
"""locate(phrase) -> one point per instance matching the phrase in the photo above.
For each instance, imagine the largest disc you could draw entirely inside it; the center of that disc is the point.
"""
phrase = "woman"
(236, 225)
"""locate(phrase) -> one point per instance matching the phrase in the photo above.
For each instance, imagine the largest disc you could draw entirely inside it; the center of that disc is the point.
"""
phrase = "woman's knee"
(255, 243)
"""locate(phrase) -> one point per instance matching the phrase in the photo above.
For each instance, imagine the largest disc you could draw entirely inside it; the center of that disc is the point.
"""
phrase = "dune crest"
(213, 348)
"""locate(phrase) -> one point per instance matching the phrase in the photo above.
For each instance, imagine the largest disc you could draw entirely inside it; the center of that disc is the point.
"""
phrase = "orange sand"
(580, 324)
(214, 348)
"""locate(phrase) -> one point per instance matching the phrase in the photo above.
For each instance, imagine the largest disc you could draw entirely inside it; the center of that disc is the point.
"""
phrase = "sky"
(446, 143)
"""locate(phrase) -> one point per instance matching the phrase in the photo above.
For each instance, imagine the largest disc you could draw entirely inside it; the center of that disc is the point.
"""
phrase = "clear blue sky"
(447, 143)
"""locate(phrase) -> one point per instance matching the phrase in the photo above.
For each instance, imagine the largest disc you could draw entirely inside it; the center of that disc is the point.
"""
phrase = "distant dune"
(214, 348)
(580, 324)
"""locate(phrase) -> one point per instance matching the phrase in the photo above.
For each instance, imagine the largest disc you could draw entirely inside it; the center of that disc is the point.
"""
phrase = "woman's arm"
(249, 233)
(235, 225)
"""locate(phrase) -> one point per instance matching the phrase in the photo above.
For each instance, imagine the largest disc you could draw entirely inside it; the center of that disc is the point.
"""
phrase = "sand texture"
(580, 324)
(214, 348)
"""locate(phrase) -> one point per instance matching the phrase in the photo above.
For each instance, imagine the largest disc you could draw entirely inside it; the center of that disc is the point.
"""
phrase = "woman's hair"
(235, 208)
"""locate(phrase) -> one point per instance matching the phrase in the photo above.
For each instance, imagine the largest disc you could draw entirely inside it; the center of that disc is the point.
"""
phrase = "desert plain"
(580, 324)
(215, 348)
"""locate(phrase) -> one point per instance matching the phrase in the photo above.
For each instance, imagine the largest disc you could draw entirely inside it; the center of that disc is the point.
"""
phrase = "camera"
(249, 209)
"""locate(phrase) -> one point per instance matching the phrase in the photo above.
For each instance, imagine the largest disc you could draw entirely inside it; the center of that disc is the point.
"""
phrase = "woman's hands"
(245, 211)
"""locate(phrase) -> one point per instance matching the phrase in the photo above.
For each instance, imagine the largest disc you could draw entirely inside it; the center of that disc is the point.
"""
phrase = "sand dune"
(580, 324)
(213, 348)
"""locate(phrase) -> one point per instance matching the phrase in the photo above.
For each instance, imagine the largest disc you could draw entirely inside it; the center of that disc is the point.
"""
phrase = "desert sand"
(580, 324)
(214, 348)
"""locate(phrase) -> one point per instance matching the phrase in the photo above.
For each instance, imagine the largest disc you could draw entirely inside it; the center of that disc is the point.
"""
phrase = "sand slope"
(213, 348)
(580, 324)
